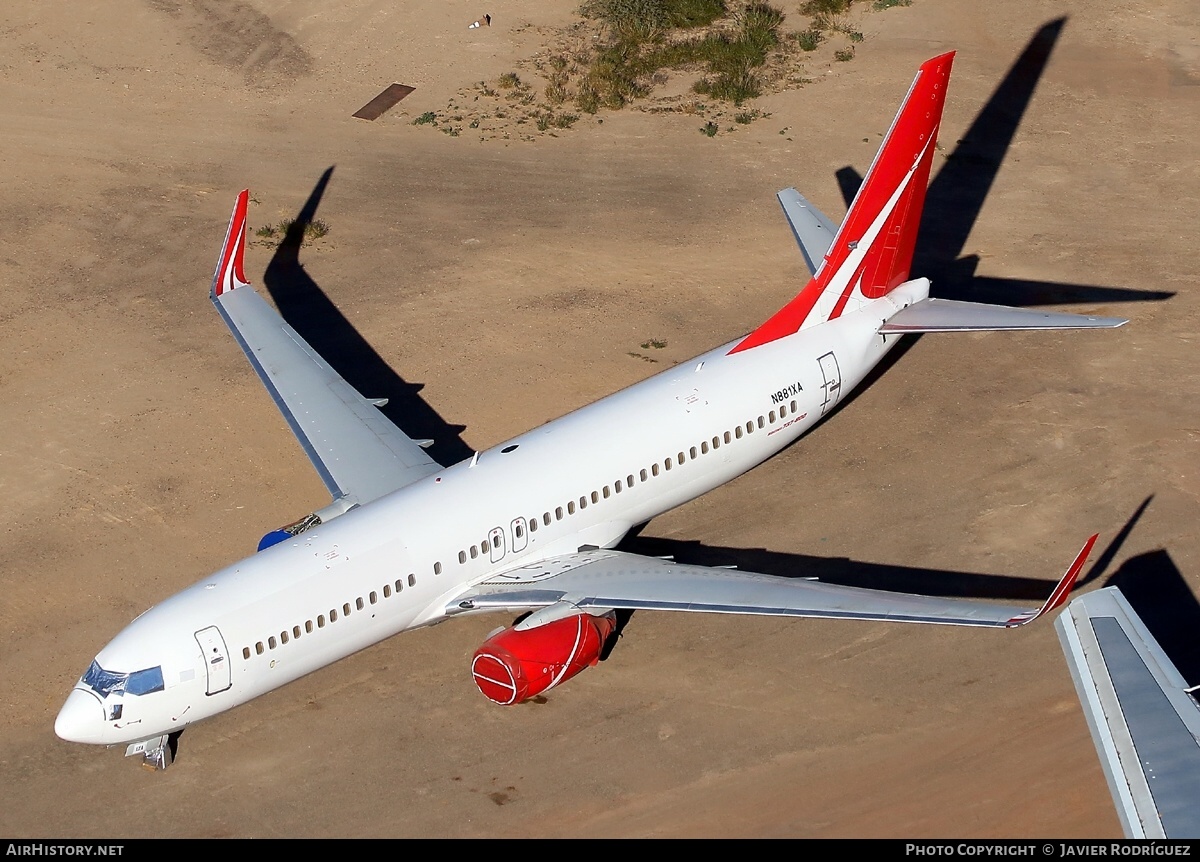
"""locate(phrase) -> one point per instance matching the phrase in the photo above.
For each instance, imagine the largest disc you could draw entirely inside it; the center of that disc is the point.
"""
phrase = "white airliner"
(529, 525)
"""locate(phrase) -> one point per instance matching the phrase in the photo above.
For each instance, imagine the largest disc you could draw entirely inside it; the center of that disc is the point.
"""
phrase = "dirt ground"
(513, 280)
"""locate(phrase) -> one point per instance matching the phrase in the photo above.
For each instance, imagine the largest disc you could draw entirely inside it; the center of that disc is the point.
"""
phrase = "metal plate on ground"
(382, 103)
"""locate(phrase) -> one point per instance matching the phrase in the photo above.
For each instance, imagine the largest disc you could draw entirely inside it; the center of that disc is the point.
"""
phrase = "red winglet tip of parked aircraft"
(1064, 587)
(230, 273)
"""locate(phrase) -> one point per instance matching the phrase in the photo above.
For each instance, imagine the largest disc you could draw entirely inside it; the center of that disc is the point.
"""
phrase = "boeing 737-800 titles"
(530, 525)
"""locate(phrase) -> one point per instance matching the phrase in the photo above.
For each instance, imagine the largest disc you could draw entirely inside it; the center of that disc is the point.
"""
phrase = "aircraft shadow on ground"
(957, 193)
(1159, 594)
(307, 309)
(1157, 591)
(956, 196)
(881, 576)
(848, 572)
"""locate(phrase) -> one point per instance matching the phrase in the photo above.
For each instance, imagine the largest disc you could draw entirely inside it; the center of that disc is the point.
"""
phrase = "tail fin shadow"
(957, 193)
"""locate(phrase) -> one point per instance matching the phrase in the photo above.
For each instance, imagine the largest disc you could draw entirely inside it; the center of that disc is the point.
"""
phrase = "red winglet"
(1064, 586)
(230, 275)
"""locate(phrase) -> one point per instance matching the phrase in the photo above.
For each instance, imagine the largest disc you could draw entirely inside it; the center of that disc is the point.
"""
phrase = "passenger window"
(782, 410)
(749, 427)
(629, 481)
(308, 627)
(617, 486)
(358, 603)
(245, 652)
(374, 597)
(761, 422)
(558, 513)
(320, 621)
(271, 643)
(412, 580)
(437, 568)
(283, 637)
(295, 631)
(596, 496)
(793, 406)
(726, 436)
(546, 519)
(387, 591)
(667, 463)
(737, 432)
(533, 525)
(704, 448)
(772, 414)
(399, 585)
(346, 609)
(474, 552)
(716, 442)
(605, 491)
(643, 475)
(333, 615)
(691, 452)
(583, 503)
(462, 556)
(258, 648)
(571, 508)
(654, 469)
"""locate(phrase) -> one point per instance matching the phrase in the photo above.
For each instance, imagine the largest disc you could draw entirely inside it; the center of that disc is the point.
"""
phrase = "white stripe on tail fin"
(872, 253)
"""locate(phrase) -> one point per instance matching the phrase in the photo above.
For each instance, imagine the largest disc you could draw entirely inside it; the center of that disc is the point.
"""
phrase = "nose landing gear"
(158, 752)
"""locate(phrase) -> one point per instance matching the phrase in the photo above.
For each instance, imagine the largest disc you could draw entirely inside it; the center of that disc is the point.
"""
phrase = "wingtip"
(230, 273)
(1064, 587)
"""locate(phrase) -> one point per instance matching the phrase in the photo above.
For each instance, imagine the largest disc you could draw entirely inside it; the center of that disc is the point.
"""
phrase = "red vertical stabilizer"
(873, 250)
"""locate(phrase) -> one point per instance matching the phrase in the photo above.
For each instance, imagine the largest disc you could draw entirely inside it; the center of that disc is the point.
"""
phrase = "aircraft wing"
(1144, 721)
(602, 580)
(814, 232)
(359, 454)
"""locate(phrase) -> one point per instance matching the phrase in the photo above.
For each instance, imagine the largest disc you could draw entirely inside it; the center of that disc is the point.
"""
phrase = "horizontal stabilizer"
(813, 231)
(947, 315)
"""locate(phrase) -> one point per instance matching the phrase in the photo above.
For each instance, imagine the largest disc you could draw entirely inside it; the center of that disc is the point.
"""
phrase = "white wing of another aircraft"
(359, 454)
(1143, 718)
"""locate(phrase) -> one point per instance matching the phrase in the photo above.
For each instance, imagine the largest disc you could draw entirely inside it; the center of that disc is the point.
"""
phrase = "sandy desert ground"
(511, 281)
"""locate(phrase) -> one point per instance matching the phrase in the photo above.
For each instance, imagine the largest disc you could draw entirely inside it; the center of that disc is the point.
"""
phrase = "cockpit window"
(145, 681)
(106, 682)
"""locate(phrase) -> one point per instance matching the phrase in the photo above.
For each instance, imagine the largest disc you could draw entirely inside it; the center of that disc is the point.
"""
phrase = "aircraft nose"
(81, 718)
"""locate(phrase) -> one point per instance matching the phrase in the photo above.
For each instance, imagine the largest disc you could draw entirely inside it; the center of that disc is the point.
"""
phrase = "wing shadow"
(1159, 594)
(901, 579)
(307, 309)
(848, 572)
(958, 191)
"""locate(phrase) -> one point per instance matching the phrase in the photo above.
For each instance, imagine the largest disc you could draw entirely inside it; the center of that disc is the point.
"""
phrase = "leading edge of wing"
(358, 453)
(610, 580)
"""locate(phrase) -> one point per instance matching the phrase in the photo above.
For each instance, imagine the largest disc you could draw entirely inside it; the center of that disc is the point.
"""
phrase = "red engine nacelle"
(515, 664)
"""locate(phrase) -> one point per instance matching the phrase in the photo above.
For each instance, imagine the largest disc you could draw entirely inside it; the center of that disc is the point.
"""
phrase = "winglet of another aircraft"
(230, 274)
(1062, 590)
